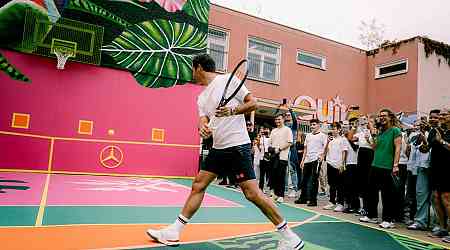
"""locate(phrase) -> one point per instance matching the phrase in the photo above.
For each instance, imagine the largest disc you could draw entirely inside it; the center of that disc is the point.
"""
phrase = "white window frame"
(380, 66)
(226, 45)
(278, 59)
(321, 57)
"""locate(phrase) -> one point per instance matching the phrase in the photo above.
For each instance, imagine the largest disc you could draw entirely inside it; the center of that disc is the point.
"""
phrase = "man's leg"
(193, 202)
(268, 208)
(423, 198)
(171, 234)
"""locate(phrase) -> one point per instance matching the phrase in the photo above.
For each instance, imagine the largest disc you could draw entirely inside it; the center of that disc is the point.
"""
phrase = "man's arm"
(248, 106)
(203, 128)
(294, 120)
(305, 150)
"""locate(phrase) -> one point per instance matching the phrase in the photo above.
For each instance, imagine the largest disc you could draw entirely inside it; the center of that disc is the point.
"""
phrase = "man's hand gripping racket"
(240, 73)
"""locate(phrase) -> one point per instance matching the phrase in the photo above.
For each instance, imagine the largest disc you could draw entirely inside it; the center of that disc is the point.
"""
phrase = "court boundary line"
(12, 170)
(42, 205)
(99, 140)
(213, 239)
(369, 226)
(140, 224)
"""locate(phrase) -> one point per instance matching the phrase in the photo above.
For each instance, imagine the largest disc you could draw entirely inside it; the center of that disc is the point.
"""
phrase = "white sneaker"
(339, 208)
(280, 199)
(292, 194)
(294, 243)
(368, 220)
(330, 206)
(167, 236)
(387, 225)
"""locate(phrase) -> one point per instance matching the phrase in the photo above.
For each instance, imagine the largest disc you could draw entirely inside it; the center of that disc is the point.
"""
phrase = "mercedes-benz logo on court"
(111, 157)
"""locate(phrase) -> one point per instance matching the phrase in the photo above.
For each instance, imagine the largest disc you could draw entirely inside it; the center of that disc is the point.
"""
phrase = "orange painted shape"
(20, 120)
(158, 134)
(85, 127)
(114, 236)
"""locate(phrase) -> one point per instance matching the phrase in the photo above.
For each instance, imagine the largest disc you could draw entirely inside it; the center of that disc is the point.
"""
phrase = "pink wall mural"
(122, 113)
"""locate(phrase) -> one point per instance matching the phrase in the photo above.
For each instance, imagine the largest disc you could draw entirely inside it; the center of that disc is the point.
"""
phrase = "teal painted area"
(326, 218)
(18, 215)
(337, 236)
(347, 236)
(59, 215)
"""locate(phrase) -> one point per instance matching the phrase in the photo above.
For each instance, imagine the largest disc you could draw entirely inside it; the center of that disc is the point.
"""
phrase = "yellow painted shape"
(158, 134)
(85, 127)
(20, 120)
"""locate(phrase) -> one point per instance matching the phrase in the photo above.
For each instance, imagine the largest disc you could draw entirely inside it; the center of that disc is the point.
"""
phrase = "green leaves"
(158, 52)
(89, 7)
(9, 69)
(198, 9)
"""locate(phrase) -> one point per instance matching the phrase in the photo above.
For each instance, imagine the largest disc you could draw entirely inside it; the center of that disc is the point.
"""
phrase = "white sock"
(179, 223)
(284, 230)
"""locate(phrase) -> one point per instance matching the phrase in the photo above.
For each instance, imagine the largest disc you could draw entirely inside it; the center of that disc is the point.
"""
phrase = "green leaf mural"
(12, 16)
(158, 52)
(198, 9)
(9, 69)
(92, 8)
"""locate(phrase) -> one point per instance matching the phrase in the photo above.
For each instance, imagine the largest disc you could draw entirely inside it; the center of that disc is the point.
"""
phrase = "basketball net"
(62, 54)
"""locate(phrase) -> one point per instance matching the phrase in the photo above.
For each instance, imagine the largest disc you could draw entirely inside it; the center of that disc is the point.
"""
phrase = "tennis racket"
(241, 68)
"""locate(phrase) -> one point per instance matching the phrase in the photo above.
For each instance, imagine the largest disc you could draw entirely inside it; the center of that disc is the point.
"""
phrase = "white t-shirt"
(315, 146)
(335, 149)
(226, 131)
(352, 155)
(403, 157)
(279, 137)
(361, 135)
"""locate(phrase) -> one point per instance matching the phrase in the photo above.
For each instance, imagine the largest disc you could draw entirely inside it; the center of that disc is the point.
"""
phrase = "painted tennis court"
(55, 211)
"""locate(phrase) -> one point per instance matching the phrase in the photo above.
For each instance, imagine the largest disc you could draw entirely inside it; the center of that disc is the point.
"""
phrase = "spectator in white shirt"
(335, 159)
(281, 140)
(313, 155)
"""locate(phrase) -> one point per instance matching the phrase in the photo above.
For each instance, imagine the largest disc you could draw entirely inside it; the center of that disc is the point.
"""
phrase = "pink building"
(310, 70)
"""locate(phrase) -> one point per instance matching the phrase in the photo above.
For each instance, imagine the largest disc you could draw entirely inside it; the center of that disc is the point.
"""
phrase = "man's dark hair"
(353, 119)
(435, 111)
(206, 61)
(314, 121)
(336, 125)
(279, 115)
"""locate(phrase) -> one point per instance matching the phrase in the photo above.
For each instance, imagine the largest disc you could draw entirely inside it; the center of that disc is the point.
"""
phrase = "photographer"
(420, 158)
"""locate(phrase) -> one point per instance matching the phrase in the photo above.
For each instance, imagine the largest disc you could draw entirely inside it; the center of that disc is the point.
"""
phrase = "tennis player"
(231, 152)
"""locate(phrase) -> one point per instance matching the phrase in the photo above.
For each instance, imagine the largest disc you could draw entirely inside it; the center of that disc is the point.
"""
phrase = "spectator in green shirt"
(384, 168)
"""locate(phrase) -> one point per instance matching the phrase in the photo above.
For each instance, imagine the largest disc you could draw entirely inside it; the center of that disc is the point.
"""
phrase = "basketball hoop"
(62, 54)
(63, 50)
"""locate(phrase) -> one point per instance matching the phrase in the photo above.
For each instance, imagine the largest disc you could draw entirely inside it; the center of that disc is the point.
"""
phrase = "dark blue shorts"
(234, 161)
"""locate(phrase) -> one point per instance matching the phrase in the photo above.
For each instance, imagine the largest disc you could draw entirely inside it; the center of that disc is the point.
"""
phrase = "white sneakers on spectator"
(292, 194)
(293, 242)
(339, 208)
(387, 225)
(330, 206)
(368, 220)
(167, 236)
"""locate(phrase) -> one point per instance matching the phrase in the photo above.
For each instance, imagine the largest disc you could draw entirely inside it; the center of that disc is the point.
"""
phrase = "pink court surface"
(56, 211)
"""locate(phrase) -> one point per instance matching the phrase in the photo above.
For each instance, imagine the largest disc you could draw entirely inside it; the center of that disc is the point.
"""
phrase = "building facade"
(321, 77)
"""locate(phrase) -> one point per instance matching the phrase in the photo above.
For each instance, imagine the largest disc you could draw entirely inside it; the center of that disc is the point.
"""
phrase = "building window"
(263, 60)
(218, 48)
(391, 68)
(311, 60)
